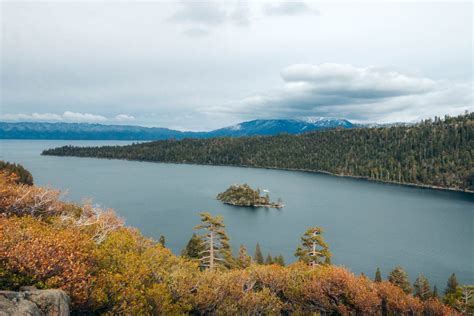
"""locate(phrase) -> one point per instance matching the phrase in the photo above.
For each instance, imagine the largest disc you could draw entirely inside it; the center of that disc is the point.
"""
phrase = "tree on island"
(313, 249)
(258, 254)
(216, 245)
(399, 277)
(244, 195)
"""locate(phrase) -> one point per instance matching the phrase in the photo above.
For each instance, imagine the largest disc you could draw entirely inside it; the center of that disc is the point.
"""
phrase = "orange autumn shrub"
(21, 199)
(396, 302)
(48, 256)
(433, 307)
(330, 289)
(233, 292)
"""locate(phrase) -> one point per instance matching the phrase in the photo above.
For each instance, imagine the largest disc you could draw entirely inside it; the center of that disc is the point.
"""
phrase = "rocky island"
(244, 195)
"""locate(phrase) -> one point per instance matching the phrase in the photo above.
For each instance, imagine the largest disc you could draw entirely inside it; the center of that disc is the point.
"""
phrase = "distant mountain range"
(86, 131)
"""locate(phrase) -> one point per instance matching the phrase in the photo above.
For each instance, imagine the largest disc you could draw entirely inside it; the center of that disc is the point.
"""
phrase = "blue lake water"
(367, 224)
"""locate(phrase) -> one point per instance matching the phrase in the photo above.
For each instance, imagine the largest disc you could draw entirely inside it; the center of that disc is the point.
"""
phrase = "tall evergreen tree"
(216, 245)
(435, 294)
(399, 277)
(258, 254)
(280, 260)
(269, 259)
(194, 248)
(244, 260)
(452, 285)
(162, 241)
(313, 249)
(422, 288)
(378, 276)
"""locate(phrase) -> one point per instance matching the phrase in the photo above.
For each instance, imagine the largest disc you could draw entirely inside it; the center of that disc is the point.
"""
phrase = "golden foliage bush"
(48, 256)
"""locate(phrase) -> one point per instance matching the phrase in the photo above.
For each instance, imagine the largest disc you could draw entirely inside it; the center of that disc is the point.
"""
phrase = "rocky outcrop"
(31, 301)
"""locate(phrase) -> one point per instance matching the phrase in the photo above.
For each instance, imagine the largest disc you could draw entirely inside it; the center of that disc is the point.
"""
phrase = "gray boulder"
(31, 301)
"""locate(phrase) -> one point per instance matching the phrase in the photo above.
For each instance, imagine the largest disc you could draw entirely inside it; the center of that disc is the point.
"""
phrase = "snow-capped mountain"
(275, 127)
(40, 130)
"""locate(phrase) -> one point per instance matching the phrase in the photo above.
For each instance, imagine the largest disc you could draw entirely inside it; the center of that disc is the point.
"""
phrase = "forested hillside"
(22, 175)
(434, 153)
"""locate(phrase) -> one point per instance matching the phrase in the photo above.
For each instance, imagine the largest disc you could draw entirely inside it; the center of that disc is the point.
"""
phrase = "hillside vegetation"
(22, 175)
(436, 153)
(107, 268)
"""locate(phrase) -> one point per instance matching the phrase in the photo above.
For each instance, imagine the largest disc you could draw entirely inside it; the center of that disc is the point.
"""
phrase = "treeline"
(23, 175)
(436, 152)
(107, 268)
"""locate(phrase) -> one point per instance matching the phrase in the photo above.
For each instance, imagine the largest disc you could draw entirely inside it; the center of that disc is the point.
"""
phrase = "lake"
(367, 224)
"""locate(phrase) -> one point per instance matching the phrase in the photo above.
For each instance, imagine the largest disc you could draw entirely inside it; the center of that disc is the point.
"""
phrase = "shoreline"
(416, 185)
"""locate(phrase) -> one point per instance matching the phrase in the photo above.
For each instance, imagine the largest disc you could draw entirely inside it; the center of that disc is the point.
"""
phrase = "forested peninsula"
(435, 153)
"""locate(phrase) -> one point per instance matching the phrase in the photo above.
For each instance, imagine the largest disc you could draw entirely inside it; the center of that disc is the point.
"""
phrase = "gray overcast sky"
(203, 65)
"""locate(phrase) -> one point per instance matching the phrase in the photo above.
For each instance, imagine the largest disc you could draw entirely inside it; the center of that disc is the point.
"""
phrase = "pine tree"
(216, 245)
(244, 260)
(399, 278)
(378, 276)
(258, 254)
(422, 288)
(313, 249)
(269, 259)
(435, 294)
(452, 285)
(194, 248)
(162, 241)
(280, 260)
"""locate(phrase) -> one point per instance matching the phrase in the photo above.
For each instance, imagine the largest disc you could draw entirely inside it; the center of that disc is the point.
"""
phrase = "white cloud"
(124, 118)
(353, 82)
(357, 93)
(82, 117)
(204, 13)
(288, 8)
(67, 116)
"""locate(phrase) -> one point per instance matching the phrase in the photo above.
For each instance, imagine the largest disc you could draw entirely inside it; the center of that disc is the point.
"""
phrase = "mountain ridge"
(95, 131)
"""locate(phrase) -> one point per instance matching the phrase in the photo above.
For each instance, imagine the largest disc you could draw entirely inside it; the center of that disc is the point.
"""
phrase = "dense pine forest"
(437, 152)
(108, 268)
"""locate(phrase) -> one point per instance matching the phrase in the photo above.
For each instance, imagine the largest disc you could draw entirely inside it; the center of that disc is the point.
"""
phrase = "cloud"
(241, 14)
(124, 118)
(209, 14)
(349, 82)
(196, 32)
(288, 8)
(82, 117)
(67, 116)
(358, 93)
(205, 13)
